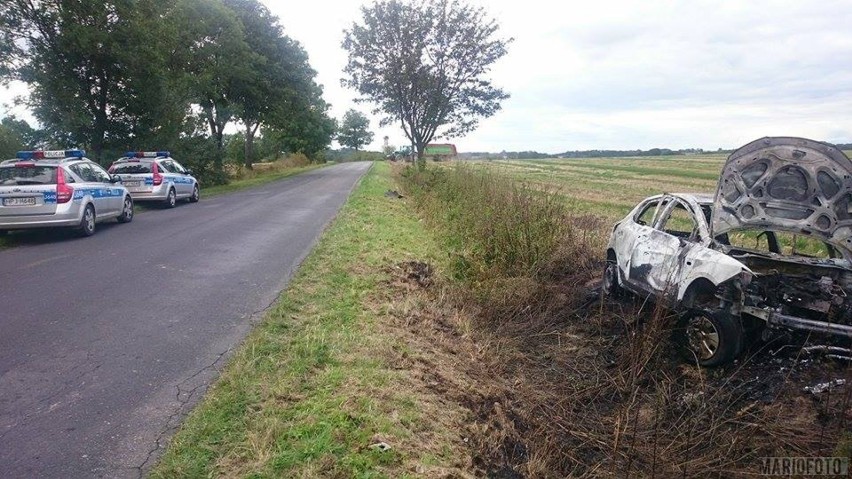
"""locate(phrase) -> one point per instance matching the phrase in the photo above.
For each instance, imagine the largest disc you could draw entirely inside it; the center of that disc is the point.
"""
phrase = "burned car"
(770, 251)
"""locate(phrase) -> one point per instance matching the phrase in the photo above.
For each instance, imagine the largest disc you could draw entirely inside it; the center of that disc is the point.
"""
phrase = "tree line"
(118, 75)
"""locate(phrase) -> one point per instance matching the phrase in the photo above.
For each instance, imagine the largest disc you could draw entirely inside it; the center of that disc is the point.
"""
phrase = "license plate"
(30, 201)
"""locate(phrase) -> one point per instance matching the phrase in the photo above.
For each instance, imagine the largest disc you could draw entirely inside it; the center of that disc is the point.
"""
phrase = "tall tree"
(281, 83)
(354, 131)
(424, 65)
(211, 52)
(83, 62)
(308, 131)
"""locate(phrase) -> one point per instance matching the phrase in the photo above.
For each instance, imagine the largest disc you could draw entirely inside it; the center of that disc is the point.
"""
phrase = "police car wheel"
(171, 200)
(195, 195)
(126, 215)
(87, 224)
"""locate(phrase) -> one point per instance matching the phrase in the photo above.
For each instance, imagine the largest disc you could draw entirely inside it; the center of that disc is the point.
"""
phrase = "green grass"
(260, 178)
(310, 387)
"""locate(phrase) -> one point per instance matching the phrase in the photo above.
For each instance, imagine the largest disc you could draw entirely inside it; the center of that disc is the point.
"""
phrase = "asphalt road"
(107, 342)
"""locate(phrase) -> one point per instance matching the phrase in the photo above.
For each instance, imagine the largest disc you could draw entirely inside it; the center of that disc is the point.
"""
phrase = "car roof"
(45, 161)
(700, 198)
(125, 159)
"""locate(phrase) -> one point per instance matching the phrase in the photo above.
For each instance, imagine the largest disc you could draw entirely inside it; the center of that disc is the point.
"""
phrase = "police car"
(155, 176)
(59, 189)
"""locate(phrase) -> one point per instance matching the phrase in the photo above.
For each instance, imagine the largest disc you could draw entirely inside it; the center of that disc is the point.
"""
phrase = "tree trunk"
(249, 145)
(421, 157)
(99, 133)
(216, 131)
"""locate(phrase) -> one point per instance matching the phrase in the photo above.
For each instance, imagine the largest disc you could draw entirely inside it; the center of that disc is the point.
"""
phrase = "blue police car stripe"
(49, 197)
(149, 181)
(97, 192)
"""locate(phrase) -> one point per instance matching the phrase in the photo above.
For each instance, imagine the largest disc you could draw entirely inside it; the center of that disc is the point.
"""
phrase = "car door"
(186, 182)
(90, 186)
(174, 176)
(660, 259)
(635, 243)
(113, 193)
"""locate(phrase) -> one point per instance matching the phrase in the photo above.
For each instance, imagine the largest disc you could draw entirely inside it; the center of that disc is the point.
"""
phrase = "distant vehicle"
(155, 176)
(433, 151)
(404, 153)
(770, 251)
(440, 151)
(60, 188)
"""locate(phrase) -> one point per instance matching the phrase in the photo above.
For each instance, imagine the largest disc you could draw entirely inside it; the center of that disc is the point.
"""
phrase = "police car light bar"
(146, 154)
(43, 154)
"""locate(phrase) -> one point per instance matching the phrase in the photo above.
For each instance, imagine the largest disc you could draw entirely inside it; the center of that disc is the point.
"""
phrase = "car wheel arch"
(700, 291)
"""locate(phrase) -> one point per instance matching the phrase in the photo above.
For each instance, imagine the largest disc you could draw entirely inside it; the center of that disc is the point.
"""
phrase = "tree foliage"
(10, 141)
(424, 65)
(85, 63)
(280, 84)
(354, 131)
(161, 74)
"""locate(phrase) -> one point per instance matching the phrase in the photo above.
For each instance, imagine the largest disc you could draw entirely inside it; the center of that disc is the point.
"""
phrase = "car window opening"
(778, 242)
(680, 223)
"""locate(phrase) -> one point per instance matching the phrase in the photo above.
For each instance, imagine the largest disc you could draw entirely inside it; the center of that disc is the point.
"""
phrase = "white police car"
(59, 188)
(155, 176)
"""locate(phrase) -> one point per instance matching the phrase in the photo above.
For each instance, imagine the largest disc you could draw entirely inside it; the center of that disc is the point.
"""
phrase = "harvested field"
(610, 187)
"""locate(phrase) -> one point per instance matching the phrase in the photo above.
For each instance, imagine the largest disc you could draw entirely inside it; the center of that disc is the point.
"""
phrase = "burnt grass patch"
(556, 382)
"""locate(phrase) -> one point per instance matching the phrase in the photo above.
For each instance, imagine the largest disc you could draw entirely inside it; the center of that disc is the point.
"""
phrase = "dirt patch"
(410, 274)
(548, 381)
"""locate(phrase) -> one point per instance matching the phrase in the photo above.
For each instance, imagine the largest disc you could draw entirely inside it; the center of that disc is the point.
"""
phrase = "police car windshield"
(131, 168)
(27, 175)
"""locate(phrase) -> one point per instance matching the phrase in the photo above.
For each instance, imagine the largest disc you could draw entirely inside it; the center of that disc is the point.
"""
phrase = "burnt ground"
(553, 382)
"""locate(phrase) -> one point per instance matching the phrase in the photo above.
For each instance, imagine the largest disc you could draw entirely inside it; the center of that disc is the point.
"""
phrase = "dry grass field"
(610, 187)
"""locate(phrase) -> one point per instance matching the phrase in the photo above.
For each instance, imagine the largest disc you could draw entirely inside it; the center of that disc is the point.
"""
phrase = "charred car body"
(771, 250)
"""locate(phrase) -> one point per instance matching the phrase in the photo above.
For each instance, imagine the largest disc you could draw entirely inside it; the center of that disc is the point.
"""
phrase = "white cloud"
(630, 74)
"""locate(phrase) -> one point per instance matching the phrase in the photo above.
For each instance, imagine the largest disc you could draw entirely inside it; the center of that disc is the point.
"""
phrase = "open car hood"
(787, 184)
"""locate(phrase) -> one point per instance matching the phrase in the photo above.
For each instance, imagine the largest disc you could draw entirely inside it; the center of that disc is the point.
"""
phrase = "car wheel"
(609, 285)
(710, 338)
(196, 195)
(171, 200)
(126, 215)
(87, 224)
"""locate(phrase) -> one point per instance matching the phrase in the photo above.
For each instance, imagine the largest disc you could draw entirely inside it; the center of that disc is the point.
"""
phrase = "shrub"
(500, 228)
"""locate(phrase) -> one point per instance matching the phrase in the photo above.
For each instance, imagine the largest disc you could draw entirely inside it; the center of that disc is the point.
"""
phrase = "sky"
(630, 74)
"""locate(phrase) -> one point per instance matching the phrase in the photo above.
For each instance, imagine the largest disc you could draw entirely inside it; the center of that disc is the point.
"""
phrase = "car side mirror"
(187, 172)
(115, 179)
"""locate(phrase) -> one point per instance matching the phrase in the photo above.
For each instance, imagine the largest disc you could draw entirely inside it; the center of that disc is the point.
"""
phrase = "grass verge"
(260, 177)
(322, 383)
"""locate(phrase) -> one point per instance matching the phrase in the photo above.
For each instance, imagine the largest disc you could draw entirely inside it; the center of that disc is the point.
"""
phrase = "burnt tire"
(709, 338)
(609, 284)
(171, 199)
(126, 215)
(87, 223)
